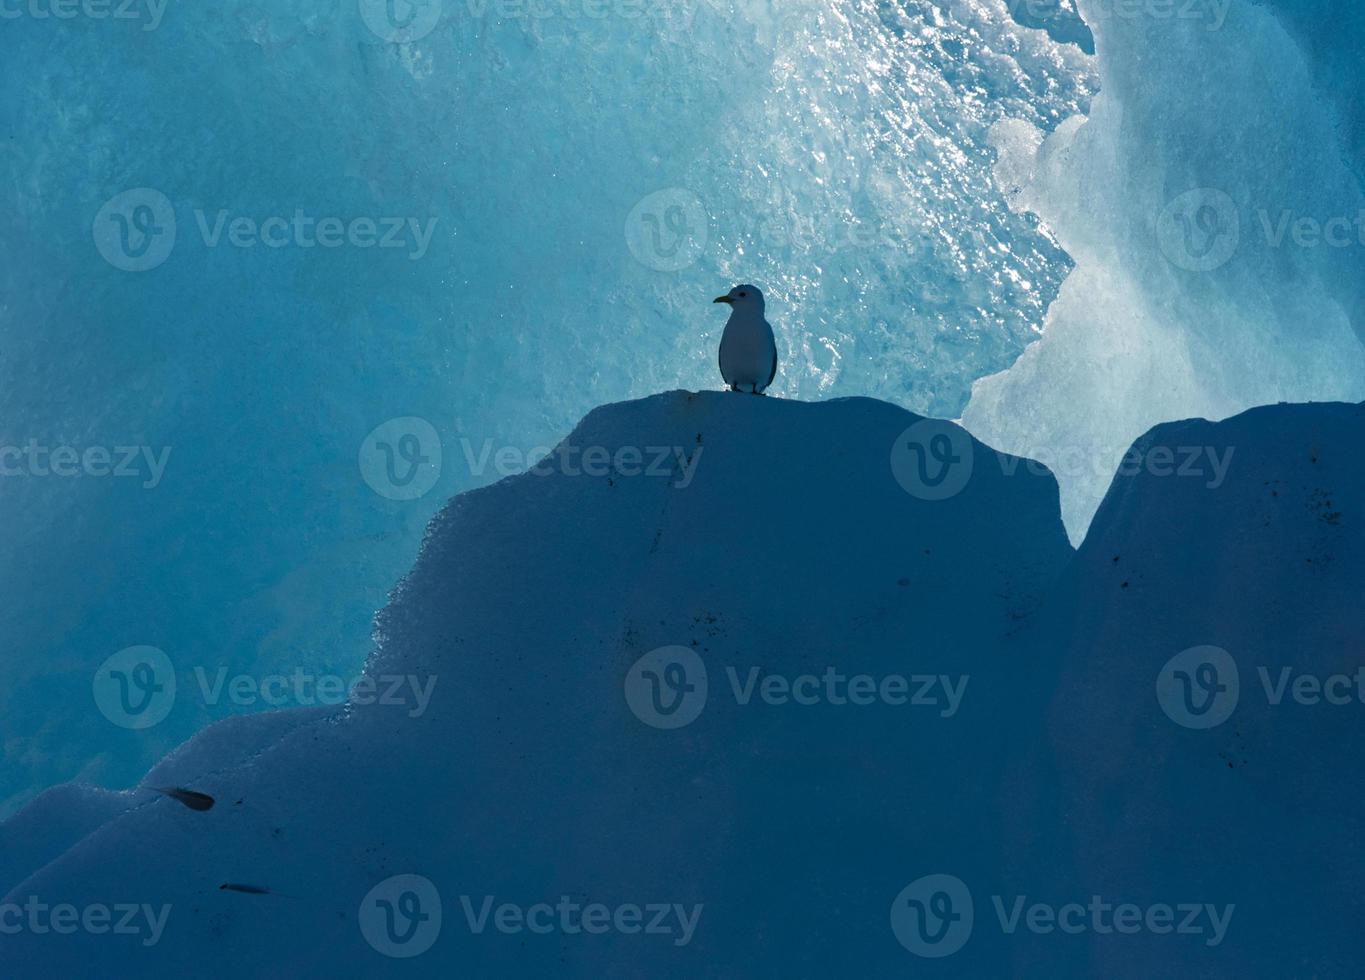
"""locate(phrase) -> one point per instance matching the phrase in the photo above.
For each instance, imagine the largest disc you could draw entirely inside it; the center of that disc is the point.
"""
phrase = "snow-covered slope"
(784, 838)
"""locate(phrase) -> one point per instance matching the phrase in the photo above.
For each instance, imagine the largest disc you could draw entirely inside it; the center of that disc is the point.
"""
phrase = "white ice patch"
(1181, 303)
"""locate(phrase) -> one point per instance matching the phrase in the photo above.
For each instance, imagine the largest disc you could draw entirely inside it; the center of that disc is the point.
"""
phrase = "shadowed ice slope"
(1262, 808)
(783, 542)
(779, 537)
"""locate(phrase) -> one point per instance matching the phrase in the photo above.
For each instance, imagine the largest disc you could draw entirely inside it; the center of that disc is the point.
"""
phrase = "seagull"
(748, 352)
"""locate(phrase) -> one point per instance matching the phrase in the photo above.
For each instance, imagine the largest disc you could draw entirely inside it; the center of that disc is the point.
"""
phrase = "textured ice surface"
(530, 141)
(529, 776)
(1212, 205)
(1263, 809)
(1060, 777)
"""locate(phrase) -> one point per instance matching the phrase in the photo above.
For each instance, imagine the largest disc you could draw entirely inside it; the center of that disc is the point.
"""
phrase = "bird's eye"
(742, 295)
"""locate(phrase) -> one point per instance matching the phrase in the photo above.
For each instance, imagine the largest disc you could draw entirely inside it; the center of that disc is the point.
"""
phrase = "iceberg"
(931, 686)
(650, 154)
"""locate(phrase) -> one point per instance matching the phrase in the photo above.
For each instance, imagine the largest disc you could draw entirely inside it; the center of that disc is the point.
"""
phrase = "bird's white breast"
(747, 349)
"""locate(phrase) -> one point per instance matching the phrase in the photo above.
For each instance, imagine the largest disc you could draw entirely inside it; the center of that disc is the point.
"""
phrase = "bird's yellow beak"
(724, 299)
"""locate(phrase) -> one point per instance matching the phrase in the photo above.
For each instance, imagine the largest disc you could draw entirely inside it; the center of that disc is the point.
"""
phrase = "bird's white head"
(743, 298)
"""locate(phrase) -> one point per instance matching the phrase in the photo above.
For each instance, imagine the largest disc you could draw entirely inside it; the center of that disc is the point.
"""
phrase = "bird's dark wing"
(773, 373)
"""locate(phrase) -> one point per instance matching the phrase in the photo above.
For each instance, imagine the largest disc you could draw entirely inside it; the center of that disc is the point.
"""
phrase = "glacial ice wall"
(576, 187)
(573, 189)
(1212, 204)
